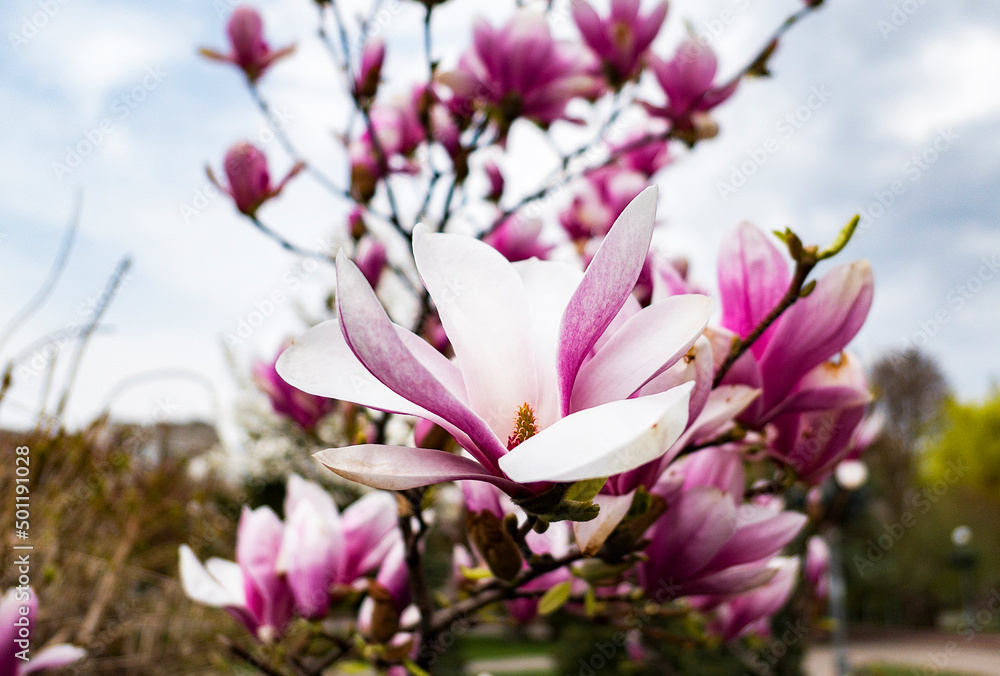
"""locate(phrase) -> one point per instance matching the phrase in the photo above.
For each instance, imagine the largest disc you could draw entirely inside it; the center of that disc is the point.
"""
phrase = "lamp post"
(850, 475)
(965, 561)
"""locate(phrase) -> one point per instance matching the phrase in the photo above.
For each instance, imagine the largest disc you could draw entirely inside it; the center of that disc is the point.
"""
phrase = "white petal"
(601, 441)
(644, 347)
(549, 286)
(200, 585)
(590, 535)
(483, 308)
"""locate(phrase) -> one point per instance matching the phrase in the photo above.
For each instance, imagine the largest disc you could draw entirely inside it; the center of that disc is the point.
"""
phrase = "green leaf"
(585, 491)
(554, 598)
(842, 239)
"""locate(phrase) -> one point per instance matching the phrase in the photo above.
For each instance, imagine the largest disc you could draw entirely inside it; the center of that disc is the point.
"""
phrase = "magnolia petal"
(369, 524)
(760, 539)
(481, 301)
(718, 467)
(310, 557)
(745, 610)
(591, 535)
(729, 581)
(645, 346)
(549, 286)
(201, 586)
(816, 327)
(601, 441)
(753, 277)
(371, 336)
(695, 527)
(321, 362)
(54, 657)
(606, 286)
(399, 467)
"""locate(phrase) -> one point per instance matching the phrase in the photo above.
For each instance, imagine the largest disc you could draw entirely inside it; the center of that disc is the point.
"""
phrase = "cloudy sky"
(888, 107)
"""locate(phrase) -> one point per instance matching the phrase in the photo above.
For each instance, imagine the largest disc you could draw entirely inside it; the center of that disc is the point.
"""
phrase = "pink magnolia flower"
(688, 82)
(304, 409)
(289, 567)
(751, 612)
(496, 181)
(821, 419)
(707, 543)
(817, 568)
(753, 277)
(249, 182)
(370, 71)
(248, 49)
(18, 609)
(399, 131)
(251, 589)
(622, 39)
(602, 196)
(641, 151)
(547, 360)
(371, 258)
(519, 70)
(517, 238)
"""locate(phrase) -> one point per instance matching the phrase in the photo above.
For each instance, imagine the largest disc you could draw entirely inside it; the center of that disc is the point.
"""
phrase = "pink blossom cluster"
(298, 567)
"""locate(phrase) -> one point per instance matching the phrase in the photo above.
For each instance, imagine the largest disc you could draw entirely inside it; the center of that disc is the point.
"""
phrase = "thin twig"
(55, 272)
(802, 269)
(110, 290)
(286, 143)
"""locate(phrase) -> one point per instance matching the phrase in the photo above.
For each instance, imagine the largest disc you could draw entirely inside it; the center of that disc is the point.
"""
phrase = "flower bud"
(372, 57)
(494, 544)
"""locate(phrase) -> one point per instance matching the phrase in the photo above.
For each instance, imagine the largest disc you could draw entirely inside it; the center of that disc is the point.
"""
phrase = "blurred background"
(887, 108)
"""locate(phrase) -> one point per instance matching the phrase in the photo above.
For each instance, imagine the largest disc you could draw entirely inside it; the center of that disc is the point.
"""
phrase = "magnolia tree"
(622, 444)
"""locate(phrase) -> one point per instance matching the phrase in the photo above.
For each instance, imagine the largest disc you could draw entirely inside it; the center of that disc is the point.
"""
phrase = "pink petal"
(816, 327)
(372, 338)
(601, 441)
(481, 300)
(399, 468)
(753, 277)
(645, 346)
(606, 285)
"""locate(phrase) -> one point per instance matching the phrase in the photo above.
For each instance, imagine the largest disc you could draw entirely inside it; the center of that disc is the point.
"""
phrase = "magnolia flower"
(304, 409)
(496, 181)
(547, 360)
(249, 183)
(751, 613)
(821, 419)
(519, 70)
(621, 40)
(248, 49)
(688, 82)
(399, 131)
(517, 238)
(18, 609)
(371, 259)
(292, 567)
(370, 70)
(640, 151)
(707, 543)
(753, 278)
(251, 589)
(602, 196)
